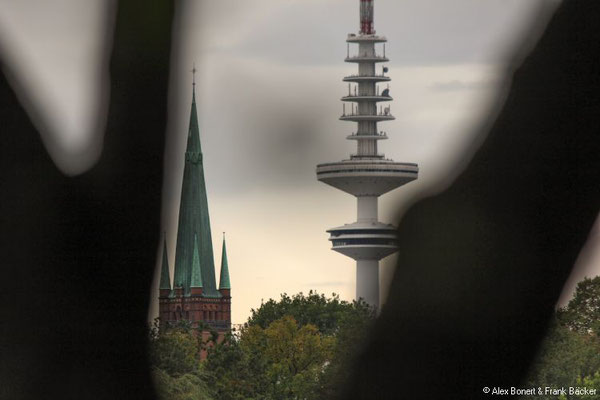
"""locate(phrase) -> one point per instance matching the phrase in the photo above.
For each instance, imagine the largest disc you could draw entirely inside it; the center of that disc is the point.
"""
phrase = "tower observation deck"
(367, 174)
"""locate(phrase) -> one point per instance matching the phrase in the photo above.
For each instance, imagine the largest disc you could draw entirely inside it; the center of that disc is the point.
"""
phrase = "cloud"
(455, 85)
(424, 32)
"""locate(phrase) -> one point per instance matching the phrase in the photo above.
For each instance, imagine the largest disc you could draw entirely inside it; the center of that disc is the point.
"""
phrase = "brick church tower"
(194, 295)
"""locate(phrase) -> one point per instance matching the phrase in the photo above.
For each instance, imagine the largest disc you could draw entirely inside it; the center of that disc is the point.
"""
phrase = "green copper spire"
(193, 217)
(224, 281)
(165, 279)
(196, 270)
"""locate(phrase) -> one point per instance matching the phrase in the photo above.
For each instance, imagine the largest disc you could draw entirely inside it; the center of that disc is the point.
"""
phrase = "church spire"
(194, 222)
(165, 279)
(224, 281)
(194, 295)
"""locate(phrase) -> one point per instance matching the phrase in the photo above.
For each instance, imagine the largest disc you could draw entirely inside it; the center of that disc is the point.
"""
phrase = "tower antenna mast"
(366, 17)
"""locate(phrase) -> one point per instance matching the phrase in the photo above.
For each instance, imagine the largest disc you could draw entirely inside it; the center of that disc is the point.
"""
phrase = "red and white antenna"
(366, 17)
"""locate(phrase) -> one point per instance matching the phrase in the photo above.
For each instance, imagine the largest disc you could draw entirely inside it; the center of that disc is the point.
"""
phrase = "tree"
(351, 337)
(174, 350)
(235, 374)
(589, 382)
(570, 354)
(283, 361)
(300, 347)
(176, 368)
(327, 314)
(564, 357)
(582, 314)
(294, 356)
(189, 386)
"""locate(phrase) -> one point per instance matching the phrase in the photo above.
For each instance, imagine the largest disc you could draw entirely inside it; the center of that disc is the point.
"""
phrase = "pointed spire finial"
(194, 83)
(194, 75)
(224, 282)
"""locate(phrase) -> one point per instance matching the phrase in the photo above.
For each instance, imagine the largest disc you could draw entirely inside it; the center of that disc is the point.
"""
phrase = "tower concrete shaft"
(367, 174)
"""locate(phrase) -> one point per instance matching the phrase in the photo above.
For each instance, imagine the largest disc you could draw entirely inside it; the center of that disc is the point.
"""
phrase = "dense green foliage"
(582, 314)
(299, 347)
(178, 374)
(328, 315)
(189, 386)
(570, 354)
(175, 351)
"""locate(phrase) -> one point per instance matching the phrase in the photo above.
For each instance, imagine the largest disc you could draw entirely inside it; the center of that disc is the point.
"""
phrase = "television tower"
(366, 174)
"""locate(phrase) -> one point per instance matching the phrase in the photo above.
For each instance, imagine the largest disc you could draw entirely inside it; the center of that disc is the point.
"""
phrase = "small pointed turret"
(196, 284)
(165, 278)
(224, 283)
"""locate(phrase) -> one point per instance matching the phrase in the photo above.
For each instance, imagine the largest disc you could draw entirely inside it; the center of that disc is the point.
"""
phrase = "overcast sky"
(268, 86)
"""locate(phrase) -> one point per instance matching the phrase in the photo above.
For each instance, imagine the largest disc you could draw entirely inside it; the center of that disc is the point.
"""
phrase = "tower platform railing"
(367, 58)
(359, 97)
